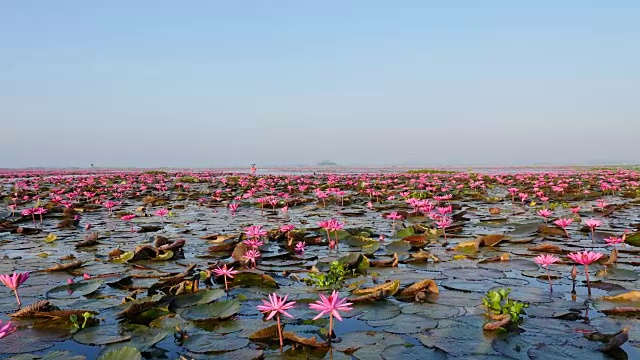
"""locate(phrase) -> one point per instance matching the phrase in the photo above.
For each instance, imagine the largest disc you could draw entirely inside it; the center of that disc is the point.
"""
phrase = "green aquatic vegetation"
(499, 303)
(336, 276)
(75, 324)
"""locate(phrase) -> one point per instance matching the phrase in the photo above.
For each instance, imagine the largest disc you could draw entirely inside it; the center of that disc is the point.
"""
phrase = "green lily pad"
(253, 279)
(368, 345)
(457, 339)
(408, 231)
(74, 290)
(402, 351)
(52, 355)
(100, 335)
(209, 342)
(202, 297)
(399, 246)
(405, 324)
(617, 274)
(379, 310)
(124, 353)
(16, 344)
(216, 311)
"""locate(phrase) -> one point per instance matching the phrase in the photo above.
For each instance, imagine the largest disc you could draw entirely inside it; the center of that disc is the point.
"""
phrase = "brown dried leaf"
(548, 248)
(38, 306)
(420, 286)
(312, 341)
(67, 266)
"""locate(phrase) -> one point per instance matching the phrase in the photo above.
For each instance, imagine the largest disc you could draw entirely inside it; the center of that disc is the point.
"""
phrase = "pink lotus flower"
(233, 207)
(251, 256)
(300, 247)
(110, 205)
(563, 224)
(586, 258)
(287, 228)
(612, 240)
(394, 216)
(253, 243)
(332, 306)
(545, 213)
(40, 211)
(6, 329)
(544, 261)
(162, 213)
(255, 231)
(226, 272)
(276, 306)
(30, 212)
(128, 218)
(443, 223)
(575, 210)
(14, 281)
(593, 224)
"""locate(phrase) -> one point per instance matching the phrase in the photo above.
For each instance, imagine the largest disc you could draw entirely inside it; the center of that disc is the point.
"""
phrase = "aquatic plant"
(276, 306)
(545, 260)
(336, 276)
(585, 258)
(498, 302)
(331, 305)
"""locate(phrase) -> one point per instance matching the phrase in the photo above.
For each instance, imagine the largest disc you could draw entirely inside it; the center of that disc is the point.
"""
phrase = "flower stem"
(330, 326)
(549, 278)
(226, 287)
(17, 297)
(279, 330)
(586, 271)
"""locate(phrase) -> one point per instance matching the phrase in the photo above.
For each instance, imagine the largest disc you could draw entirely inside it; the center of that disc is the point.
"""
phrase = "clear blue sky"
(216, 83)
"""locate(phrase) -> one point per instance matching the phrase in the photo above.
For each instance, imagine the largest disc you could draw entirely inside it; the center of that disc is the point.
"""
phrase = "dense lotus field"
(212, 265)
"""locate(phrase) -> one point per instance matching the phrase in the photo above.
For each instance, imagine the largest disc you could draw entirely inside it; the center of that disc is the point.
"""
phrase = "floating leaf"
(124, 257)
(100, 335)
(123, 353)
(403, 351)
(253, 279)
(216, 311)
(490, 240)
(210, 342)
(50, 238)
(201, 297)
(74, 290)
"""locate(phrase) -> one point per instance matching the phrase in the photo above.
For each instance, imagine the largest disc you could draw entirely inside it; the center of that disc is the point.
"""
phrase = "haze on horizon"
(212, 84)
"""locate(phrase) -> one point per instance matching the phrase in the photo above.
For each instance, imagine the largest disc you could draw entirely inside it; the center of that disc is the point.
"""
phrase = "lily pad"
(209, 342)
(100, 335)
(403, 351)
(123, 353)
(216, 311)
(74, 290)
(201, 297)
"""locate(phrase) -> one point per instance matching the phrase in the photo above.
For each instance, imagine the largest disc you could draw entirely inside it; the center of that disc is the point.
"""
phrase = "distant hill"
(327, 163)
